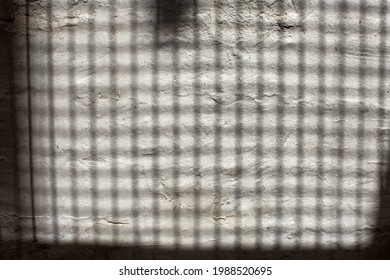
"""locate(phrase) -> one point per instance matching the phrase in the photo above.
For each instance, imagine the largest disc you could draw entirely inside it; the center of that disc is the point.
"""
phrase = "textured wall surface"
(200, 124)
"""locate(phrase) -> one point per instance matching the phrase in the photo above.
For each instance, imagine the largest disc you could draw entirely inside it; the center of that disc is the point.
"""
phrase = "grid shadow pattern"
(200, 129)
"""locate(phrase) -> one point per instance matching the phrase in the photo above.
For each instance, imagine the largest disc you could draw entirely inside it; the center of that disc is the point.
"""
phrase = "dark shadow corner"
(8, 133)
(171, 14)
(382, 231)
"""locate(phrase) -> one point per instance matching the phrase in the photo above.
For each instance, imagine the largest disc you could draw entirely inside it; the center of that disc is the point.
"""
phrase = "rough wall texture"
(201, 124)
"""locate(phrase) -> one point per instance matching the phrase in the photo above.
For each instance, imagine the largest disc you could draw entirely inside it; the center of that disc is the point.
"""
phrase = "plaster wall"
(200, 124)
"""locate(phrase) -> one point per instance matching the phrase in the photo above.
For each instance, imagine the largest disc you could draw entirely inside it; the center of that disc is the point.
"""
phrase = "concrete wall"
(200, 124)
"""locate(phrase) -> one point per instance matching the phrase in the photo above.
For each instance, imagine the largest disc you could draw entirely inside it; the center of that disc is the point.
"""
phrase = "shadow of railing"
(170, 16)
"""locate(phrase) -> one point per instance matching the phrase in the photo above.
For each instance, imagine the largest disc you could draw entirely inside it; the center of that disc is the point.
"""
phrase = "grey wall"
(253, 128)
